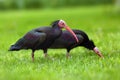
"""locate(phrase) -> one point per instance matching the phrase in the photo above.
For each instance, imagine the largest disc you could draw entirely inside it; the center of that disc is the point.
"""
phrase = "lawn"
(99, 22)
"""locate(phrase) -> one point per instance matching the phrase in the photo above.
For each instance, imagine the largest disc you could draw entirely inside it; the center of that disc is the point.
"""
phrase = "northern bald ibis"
(41, 38)
(67, 41)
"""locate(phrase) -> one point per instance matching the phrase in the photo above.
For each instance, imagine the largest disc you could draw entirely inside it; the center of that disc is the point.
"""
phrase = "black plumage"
(41, 38)
(67, 41)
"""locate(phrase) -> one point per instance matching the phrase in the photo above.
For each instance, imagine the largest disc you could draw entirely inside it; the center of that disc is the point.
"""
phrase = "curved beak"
(68, 28)
(96, 50)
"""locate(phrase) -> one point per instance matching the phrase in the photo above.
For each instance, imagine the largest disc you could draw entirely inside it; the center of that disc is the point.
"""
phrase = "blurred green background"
(100, 19)
(33, 4)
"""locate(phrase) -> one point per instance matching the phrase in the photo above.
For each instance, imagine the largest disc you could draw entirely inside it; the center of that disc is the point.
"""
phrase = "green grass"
(102, 26)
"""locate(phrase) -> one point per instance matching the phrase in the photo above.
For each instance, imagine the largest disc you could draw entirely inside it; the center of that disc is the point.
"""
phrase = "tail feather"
(14, 48)
(17, 45)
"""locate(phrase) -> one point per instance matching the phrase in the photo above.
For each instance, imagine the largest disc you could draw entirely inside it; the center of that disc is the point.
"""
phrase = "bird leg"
(32, 55)
(45, 53)
(67, 55)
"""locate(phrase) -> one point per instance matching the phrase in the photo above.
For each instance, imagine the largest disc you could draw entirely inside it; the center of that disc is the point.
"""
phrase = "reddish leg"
(45, 53)
(67, 55)
(32, 55)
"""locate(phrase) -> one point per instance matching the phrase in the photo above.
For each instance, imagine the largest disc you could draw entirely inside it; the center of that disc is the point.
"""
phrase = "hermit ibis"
(67, 41)
(42, 37)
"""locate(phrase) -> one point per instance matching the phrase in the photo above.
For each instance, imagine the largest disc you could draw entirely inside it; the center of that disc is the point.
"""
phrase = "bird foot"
(32, 59)
(45, 55)
(68, 55)
(32, 56)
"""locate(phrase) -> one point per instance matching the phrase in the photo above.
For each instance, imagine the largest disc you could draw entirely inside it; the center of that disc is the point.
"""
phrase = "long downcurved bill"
(96, 50)
(67, 28)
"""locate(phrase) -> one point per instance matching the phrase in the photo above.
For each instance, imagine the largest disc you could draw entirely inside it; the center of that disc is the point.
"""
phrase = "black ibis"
(67, 41)
(41, 38)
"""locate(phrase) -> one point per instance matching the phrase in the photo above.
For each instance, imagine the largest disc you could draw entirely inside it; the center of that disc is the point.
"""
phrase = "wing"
(29, 41)
(34, 38)
(44, 29)
(80, 32)
(66, 40)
